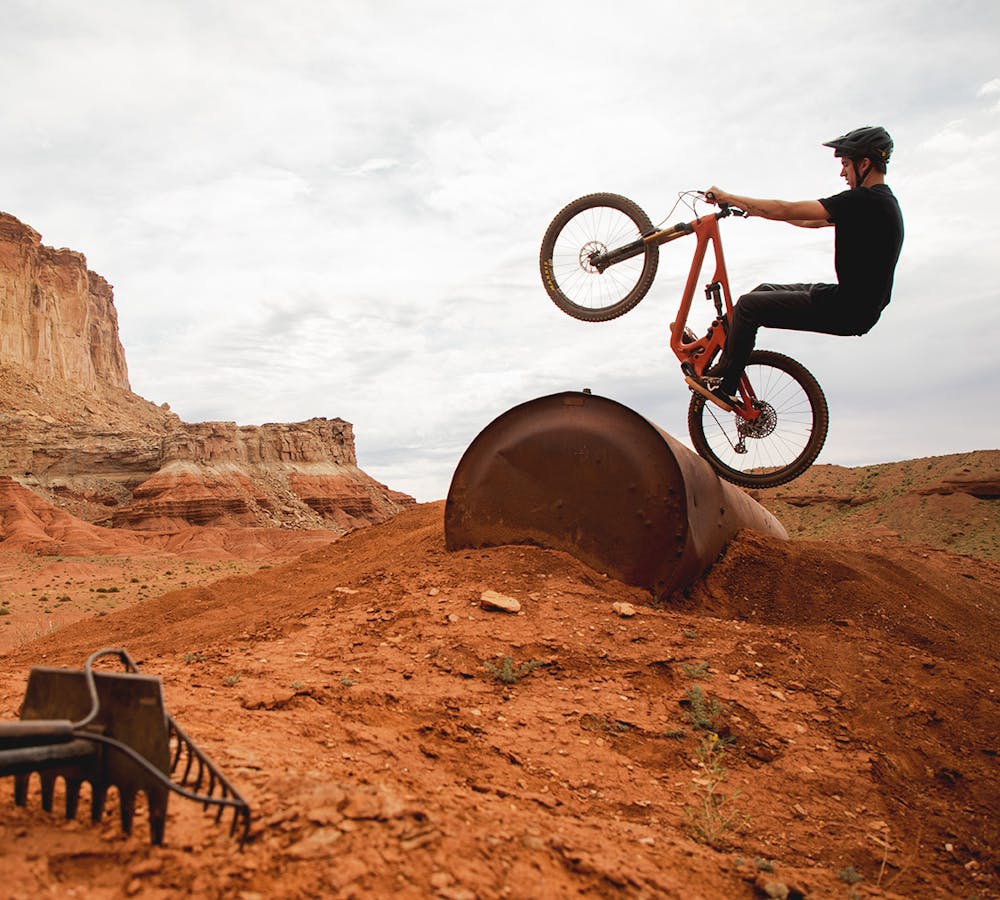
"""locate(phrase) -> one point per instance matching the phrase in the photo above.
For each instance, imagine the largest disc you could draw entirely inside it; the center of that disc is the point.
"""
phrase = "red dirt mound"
(56, 568)
(812, 719)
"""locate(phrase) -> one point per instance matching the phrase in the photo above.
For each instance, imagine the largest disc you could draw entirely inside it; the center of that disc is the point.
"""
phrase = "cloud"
(335, 208)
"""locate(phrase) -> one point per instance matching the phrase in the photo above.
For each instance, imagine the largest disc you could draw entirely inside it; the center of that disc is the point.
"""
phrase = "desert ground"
(811, 718)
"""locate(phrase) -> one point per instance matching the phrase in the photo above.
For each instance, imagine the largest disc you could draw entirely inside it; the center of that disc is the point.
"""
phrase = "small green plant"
(850, 875)
(763, 864)
(297, 685)
(703, 712)
(698, 671)
(347, 681)
(196, 657)
(4, 611)
(590, 722)
(231, 680)
(689, 634)
(675, 734)
(508, 673)
(713, 817)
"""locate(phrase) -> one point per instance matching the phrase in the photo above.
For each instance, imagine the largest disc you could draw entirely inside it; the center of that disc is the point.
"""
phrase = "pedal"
(699, 387)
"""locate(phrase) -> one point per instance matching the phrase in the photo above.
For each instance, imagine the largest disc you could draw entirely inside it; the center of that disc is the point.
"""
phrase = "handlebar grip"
(711, 198)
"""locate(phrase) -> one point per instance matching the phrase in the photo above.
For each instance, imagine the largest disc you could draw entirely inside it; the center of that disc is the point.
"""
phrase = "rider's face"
(848, 172)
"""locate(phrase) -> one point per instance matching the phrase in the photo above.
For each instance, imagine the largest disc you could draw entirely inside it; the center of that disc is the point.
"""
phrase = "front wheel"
(578, 236)
(778, 445)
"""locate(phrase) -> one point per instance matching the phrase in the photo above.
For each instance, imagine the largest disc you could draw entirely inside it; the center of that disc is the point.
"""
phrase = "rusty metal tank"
(584, 474)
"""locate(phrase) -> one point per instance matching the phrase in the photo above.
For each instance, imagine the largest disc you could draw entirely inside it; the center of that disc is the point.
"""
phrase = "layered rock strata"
(72, 430)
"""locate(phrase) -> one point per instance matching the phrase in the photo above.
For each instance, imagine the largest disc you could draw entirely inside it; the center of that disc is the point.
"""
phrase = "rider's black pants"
(791, 306)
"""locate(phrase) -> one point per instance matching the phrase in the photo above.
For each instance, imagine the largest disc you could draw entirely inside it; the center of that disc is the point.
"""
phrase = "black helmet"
(869, 142)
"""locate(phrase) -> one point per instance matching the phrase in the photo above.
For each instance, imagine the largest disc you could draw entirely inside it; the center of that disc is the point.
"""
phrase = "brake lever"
(724, 208)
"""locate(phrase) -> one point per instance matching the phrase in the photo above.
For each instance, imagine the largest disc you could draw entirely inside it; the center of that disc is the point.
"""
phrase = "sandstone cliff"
(72, 430)
(57, 318)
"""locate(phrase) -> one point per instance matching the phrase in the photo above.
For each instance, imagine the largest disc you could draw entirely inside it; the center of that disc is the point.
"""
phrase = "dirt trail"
(353, 696)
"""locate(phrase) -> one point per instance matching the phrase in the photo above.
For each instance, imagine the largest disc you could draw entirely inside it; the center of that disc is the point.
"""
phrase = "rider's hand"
(717, 196)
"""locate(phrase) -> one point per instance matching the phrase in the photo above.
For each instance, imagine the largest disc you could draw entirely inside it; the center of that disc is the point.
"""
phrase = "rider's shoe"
(726, 401)
(710, 388)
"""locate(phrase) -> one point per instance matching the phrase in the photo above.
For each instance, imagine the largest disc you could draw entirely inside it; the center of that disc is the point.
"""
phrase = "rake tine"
(99, 793)
(20, 790)
(157, 820)
(126, 805)
(48, 789)
(72, 797)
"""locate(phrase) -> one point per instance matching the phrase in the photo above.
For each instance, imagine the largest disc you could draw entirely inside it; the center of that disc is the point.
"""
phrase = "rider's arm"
(806, 213)
(812, 223)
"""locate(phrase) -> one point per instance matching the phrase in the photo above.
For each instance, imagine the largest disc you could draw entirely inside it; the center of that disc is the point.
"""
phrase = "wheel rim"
(776, 439)
(596, 229)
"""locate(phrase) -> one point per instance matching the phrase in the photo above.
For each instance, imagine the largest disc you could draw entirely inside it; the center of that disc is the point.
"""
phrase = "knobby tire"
(796, 422)
(596, 222)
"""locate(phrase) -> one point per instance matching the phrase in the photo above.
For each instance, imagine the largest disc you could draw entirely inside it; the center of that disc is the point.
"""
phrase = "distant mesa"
(74, 433)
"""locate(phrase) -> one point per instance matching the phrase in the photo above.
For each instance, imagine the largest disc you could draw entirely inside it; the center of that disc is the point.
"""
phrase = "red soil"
(349, 695)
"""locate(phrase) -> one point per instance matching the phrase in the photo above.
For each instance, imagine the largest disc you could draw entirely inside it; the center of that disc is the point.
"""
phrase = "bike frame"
(696, 355)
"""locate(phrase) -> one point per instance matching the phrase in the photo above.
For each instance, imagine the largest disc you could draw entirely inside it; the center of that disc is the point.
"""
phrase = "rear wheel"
(587, 227)
(782, 442)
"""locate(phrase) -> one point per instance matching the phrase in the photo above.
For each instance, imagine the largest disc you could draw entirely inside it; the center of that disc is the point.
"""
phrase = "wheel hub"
(587, 252)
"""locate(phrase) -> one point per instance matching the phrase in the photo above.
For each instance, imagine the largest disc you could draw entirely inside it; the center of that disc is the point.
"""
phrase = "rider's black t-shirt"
(869, 235)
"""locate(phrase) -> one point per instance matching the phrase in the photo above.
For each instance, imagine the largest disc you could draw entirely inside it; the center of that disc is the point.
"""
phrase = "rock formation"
(941, 501)
(72, 430)
(57, 318)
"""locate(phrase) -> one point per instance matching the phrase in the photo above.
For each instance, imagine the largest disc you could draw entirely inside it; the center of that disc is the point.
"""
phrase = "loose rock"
(499, 602)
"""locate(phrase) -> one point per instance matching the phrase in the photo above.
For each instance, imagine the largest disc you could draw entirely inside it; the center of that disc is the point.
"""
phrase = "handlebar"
(725, 209)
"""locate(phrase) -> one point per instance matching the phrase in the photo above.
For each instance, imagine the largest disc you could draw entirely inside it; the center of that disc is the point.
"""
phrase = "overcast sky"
(327, 208)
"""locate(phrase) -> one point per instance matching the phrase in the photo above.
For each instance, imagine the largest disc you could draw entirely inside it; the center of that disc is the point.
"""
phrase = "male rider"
(868, 230)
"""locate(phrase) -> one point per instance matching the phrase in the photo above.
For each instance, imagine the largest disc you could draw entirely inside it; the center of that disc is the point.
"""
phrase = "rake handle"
(35, 732)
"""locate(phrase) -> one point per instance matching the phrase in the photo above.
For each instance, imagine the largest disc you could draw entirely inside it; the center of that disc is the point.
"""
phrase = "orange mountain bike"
(598, 260)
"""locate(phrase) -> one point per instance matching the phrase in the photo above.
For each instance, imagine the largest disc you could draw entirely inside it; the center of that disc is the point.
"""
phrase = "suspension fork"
(603, 261)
